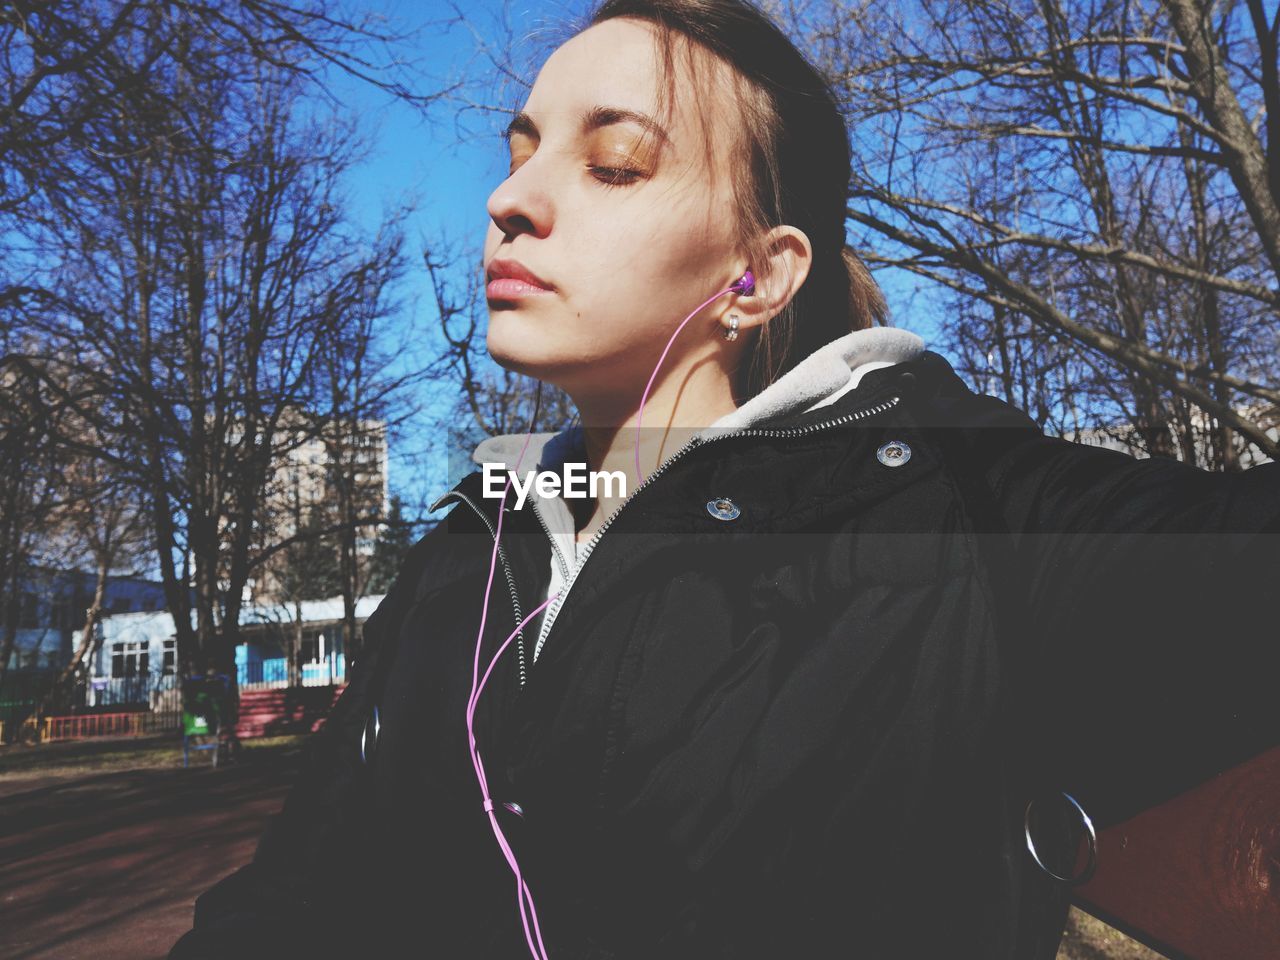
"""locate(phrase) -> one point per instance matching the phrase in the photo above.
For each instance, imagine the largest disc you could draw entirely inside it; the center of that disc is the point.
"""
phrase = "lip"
(511, 278)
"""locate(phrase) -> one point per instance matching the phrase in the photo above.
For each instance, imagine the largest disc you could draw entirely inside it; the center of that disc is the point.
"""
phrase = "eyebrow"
(593, 119)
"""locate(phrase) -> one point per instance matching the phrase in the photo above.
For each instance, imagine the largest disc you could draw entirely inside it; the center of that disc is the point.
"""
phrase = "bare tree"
(210, 264)
(29, 470)
(64, 510)
(365, 397)
(97, 527)
(306, 570)
(396, 537)
(174, 234)
(62, 63)
(1096, 184)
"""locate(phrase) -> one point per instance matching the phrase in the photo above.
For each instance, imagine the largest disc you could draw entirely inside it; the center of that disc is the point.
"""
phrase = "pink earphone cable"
(746, 285)
(522, 888)
(538, 949)
(533, 937)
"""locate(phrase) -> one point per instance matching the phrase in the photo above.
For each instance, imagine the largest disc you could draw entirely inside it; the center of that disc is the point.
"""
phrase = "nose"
(521, 204)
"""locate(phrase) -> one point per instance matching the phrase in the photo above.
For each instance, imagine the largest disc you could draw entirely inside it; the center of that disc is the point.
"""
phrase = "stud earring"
(732, 332)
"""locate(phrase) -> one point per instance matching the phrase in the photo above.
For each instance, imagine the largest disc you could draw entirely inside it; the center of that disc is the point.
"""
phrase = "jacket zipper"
(565, 576)
(551, 612)
(502, 555)
(564, 567)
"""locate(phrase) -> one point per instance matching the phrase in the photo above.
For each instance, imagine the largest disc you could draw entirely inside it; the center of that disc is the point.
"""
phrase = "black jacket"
(810, 731)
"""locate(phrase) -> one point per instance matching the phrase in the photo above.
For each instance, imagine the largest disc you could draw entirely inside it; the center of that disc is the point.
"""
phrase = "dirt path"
(106, 866)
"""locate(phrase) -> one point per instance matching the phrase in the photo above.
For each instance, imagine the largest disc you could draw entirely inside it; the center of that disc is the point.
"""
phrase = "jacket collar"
(819, 380)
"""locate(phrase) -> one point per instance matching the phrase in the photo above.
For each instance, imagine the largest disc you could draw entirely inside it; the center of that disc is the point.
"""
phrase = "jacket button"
(894, 453)
(722, 508)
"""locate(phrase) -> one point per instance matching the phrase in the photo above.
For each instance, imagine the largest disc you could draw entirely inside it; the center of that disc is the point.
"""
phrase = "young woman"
(793, 692)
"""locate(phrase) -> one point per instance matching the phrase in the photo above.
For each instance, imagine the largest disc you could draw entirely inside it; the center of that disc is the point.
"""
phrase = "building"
(271, 632)
(53, 607)
(136, 661)
(317, 473)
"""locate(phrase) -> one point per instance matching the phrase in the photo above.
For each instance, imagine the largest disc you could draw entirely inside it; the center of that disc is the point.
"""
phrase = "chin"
(554, 351)
(515, 347)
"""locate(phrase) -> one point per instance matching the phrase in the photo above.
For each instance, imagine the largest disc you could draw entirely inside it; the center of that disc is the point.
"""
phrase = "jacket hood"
(819, 379)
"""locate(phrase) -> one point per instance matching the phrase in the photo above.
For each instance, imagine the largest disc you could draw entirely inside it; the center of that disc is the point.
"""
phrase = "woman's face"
(627, 233)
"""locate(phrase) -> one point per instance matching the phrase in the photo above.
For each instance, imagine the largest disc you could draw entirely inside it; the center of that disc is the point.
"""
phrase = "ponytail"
(867, 307)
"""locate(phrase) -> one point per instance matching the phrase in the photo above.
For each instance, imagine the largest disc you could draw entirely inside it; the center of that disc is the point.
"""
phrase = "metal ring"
(1084, 874)
(364, 734)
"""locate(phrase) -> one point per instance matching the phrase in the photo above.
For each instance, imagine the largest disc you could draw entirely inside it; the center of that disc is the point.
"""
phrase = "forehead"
(619, 64)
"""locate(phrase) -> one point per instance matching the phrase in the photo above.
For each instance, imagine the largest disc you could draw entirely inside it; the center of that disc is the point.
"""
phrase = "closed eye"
(615, 176)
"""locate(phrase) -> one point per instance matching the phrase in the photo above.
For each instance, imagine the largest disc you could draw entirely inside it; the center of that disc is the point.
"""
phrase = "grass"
(109, 754)
(1088, 938)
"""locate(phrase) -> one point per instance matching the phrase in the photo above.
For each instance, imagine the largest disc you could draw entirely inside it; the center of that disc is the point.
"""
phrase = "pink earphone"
(744, 285)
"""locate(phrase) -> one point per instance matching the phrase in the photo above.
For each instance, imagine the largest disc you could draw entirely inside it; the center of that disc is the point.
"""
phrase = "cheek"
(679, 271)
(629, 275)
(680, 247)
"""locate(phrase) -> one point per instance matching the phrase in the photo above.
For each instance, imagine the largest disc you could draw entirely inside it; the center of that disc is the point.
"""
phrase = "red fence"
(84, 726)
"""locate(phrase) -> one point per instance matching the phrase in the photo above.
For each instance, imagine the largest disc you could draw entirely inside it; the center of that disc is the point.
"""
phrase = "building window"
(170, 665)
(129, 659)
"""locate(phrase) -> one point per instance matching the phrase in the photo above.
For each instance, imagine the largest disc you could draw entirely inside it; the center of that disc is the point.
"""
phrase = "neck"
(677, 407)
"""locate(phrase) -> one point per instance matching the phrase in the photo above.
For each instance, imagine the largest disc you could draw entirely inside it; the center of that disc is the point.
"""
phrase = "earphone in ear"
(745, 284)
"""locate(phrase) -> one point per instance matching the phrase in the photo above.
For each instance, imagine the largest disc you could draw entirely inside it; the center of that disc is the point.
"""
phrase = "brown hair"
(794, 144)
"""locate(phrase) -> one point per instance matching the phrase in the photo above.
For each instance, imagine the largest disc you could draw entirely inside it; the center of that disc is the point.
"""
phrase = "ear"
(788, 257)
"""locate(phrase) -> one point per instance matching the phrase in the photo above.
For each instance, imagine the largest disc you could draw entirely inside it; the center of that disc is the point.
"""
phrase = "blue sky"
(452, 157)
(445, 161)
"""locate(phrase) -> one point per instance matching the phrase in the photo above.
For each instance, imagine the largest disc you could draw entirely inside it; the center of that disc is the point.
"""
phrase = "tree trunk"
(57, 697)
(295, 647)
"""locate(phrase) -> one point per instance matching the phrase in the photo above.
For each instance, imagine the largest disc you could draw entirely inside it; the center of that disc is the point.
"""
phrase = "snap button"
(723, 508)
(894, 453)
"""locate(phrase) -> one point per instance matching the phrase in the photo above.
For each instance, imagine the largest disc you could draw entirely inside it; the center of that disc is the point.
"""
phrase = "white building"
(136, 661)
(52, 612)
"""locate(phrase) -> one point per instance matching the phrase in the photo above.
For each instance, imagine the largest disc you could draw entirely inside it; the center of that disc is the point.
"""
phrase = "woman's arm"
(1147, 594)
